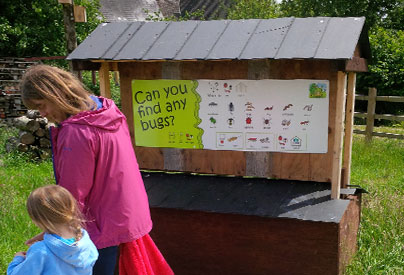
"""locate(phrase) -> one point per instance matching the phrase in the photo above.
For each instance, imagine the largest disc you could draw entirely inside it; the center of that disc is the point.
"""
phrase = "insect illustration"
(267, 120)
(285, 122)
(287, 107)
(213, 120)
(230, 121)
(227, 88)
(231, 107)
(248, 120)
(265, 140)
(232, 139)
(282, 140)
(249, 106)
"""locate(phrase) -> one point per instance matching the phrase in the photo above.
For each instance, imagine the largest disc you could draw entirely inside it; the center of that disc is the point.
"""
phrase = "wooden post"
(370, 119)
(349, 117)
(103, 75)
(338, 136)
(93, 78)
(173, 158)
(70, 30)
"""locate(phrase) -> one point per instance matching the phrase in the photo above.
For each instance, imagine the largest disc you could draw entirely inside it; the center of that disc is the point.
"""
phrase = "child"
(93, 158)
(66, 247)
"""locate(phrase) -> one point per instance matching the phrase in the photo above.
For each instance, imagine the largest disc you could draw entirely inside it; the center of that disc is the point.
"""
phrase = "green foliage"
(395, 17)
(386, 70)
(375, 11)
(246, 9)
(94, 18)
(95, 89)
(195, 15)
(377, 167)
(18, 177)
(36, 28)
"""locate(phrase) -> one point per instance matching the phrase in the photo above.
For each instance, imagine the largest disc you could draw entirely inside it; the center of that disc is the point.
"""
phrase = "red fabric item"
(142, 257)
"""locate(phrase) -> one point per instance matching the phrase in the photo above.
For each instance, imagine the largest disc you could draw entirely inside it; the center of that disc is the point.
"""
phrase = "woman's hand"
(35, 239)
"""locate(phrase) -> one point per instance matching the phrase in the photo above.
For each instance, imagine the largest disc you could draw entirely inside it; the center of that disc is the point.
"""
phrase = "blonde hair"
(58, 86)
(53, 205)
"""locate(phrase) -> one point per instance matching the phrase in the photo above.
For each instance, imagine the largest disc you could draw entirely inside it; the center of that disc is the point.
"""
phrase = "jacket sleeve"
(33, 263)
(75, 161)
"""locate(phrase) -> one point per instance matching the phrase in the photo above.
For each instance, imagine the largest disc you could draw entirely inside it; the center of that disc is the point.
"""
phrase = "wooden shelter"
(305, 221)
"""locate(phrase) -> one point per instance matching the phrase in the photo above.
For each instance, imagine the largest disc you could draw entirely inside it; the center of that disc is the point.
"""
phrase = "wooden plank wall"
(305, 167)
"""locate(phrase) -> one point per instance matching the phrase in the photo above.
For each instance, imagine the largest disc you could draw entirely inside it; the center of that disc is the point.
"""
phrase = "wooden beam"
(338, 136)
(356, 64)
(349, 116)
(103, 74)
(82, 65)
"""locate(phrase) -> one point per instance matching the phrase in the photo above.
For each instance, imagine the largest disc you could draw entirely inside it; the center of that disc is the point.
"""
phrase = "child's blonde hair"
(53, 205)
(57, 86)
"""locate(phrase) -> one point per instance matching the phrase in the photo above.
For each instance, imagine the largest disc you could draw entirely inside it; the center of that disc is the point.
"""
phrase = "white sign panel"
(264, 115)
(244, 115)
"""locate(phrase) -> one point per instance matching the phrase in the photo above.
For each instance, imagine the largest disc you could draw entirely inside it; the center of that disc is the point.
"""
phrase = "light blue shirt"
(52, 256)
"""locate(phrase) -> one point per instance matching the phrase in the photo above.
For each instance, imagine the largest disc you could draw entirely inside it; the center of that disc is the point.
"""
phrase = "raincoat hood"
(52, 256)
(109, 117)
(79, 254)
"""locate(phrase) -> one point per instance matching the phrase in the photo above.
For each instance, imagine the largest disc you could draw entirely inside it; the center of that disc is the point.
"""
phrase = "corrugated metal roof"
(281, 38)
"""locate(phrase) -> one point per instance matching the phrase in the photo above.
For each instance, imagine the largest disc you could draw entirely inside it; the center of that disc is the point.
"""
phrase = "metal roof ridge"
(284, 37)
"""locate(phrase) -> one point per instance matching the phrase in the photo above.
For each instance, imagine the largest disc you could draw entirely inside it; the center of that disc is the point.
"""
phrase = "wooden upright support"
(349, 117)
(338, 136)
(103, 74)
(370, 119)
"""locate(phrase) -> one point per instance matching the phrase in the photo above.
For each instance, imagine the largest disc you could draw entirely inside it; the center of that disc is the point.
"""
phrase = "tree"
(35, 28)
(375, 11)
(386, 71)
(246, 9)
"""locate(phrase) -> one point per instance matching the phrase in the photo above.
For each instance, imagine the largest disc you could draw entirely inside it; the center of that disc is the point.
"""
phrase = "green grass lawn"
(378, 168)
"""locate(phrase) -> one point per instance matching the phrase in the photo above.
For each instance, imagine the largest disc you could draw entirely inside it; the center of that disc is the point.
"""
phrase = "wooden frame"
(306, 167)
(349, 121)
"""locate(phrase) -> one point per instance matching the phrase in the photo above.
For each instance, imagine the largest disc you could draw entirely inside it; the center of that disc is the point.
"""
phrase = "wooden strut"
(337, 149)
(103, 74)
(349, 117)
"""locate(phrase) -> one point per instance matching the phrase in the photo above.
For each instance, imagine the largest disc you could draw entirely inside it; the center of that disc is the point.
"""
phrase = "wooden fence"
(370, 116)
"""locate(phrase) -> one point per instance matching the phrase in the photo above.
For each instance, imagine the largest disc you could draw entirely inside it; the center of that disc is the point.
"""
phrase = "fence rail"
(370, 116)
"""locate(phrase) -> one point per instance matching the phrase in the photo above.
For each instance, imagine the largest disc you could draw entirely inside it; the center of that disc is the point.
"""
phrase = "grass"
(377, 167)
(18, 177)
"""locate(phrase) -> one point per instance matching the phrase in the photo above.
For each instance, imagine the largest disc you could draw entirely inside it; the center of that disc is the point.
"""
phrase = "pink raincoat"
(94, 159)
